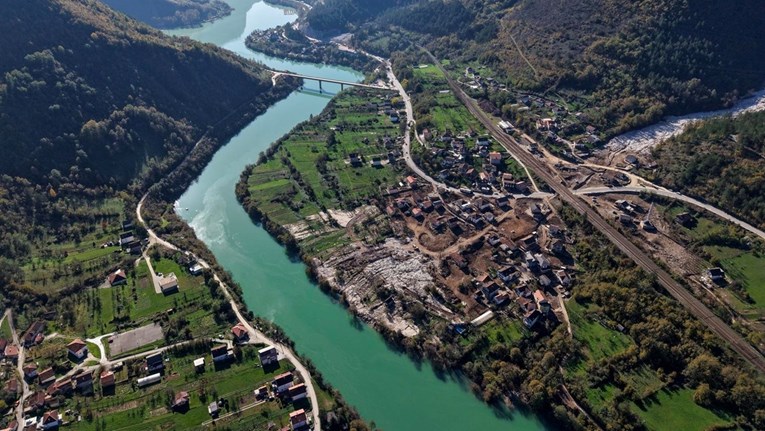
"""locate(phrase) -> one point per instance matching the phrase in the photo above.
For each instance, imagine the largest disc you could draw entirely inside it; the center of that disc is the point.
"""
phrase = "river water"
(385, 386)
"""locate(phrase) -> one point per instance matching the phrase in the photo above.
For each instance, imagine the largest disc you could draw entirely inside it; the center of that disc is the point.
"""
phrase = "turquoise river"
(385, 386)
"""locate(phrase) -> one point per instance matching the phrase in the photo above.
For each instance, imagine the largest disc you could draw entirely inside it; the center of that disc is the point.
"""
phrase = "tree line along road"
(680, 293)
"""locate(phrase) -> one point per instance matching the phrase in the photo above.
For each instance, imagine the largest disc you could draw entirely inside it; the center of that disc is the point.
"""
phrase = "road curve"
(680, 293)
(255, 335)
(673, 195)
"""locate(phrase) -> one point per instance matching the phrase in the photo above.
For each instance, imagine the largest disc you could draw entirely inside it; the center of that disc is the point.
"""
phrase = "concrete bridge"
(343, 84)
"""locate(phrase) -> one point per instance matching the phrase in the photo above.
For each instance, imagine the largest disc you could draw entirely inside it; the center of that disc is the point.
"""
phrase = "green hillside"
(631, 62)
(171, 13)
(94, 109)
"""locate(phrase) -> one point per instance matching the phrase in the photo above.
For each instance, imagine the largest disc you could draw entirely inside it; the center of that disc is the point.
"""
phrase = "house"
(558, 246)
(61, 387)
(298, 420)
(196, 269)
(282, 382)
(625, 220)
(84, 382)
(35, 401)
(221, 353)
(717, 275)
(106, 379)
(12, 386)
(632, 160)
(545, 281)
(127, 225)
(544, 263)
(268, 355)
(213, 409)
(490, 290)
(49, 420)
(240, 333)
(297, 392)
(503, 203)
(495, 158)
(154, 363)
(542, 303)
(531, 262)
(507, 274)
(133, 247)
(34, 334)
(355, 160)
(46, 376)
(376, 162)
(531, 318)
(261, 393)
(30, 371)
(181, 401)
(417, 214)
(394, 118)
(77, 349)
(168, 283)
(563, 278)
(117, 278)
(529, 243)
(684, 219)
(411, 182)
(126, 238)
(199, 365)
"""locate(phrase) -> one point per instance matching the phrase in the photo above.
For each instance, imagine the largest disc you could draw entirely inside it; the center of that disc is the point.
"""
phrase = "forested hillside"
(94, 109)
(171, 13)
(633, 62)
(95, 97)
(721, 161)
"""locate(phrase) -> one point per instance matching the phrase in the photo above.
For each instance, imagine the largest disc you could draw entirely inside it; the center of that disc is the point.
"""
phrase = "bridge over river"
(277, 74)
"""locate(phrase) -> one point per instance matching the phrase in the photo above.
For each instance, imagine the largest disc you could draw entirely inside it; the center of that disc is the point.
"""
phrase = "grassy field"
(675, 410)
(445, 112)
(5, 330)
(62, 264)
(742, 264)
(599, 340)
(311, 170)
(132, 408)
(99, 311)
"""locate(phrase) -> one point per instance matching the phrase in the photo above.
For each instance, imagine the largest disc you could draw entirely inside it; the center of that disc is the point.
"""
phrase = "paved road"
(674, 195)
(255, 335)
(25, 392)
(680, 293)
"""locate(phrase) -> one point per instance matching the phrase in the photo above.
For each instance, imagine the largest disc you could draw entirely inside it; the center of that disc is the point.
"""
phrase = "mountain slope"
(632, 61)
(95, 95)
(171, 13)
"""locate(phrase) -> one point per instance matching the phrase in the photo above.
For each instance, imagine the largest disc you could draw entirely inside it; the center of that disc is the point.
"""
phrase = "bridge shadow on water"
(319, 93)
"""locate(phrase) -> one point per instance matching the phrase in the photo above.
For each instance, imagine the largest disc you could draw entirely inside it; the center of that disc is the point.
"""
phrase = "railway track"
(543, 171)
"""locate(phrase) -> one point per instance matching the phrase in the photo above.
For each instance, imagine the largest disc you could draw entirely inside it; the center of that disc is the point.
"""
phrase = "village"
(205, 380)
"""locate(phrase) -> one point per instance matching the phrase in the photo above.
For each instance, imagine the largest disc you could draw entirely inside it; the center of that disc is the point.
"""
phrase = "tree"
(704, 396)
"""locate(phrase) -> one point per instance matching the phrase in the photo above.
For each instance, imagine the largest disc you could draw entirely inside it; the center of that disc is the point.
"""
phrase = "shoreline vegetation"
(171, 14)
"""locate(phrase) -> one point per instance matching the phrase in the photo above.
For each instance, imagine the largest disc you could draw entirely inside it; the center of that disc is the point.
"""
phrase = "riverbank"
(645, 139)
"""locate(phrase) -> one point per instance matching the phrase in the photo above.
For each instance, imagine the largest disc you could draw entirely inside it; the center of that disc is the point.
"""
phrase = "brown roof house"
(77, 349)
(240, 333)
(117, 278)
(47, 376)
(181, 402)
(107, 379)
(12, 352)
